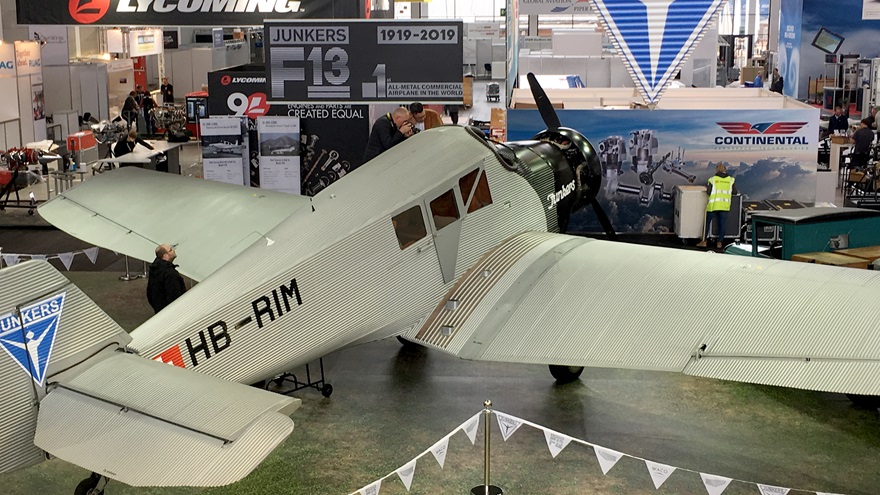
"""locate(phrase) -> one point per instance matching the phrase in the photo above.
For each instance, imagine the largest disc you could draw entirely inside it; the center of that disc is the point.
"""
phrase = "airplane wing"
(572, 301)
(209, 222)
(71, 390)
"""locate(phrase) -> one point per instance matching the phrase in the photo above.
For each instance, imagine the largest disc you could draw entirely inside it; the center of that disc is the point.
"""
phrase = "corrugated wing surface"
(131, 211)
(623, 305)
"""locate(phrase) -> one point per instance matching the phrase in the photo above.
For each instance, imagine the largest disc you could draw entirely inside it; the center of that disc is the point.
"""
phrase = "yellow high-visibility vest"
(722, 192)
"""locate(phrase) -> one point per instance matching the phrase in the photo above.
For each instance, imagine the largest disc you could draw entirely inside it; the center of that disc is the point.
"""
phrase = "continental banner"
(332, 137)
(364, 61)
(180, 12)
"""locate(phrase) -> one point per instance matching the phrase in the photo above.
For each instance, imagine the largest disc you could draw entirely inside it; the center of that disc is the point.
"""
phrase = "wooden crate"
(869, 253)
(834, 259)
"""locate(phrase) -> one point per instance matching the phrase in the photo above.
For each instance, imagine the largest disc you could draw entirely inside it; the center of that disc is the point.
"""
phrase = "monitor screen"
(827, 41)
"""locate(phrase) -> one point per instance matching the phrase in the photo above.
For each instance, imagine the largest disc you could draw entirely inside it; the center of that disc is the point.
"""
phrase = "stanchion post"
(486, 488)
(128, 275)
(145, 272)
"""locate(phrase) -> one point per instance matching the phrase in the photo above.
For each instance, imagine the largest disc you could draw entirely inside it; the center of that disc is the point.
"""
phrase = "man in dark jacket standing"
(388, 130)
(165, 284)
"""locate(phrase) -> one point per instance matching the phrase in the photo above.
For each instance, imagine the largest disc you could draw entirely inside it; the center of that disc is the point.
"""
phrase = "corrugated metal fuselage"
(337, 276)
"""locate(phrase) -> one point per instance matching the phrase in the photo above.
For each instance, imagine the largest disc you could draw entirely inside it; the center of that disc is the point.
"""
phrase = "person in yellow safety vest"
(721, 189)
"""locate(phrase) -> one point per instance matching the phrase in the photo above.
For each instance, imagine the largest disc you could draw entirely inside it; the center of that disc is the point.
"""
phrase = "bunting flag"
(10, 259)
(406, 473)
(556, 442)
(655, 37)
(371, 489)
(92, 254)
(715, 484)
(607, 458)
(470, 428)
(39, 256)
(66, 259)
(659, 472)
(508, 424)
(772, 490)
(439, 451)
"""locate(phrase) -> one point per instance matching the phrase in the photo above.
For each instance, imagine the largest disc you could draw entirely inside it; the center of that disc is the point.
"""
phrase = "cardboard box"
(839, 139)
(834, 259)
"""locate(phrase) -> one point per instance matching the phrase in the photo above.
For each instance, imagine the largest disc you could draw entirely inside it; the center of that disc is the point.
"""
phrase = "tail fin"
(47, 326)
(71, 390)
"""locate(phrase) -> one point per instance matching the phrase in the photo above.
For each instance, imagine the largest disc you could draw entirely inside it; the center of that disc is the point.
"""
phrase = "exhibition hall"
(441, 246)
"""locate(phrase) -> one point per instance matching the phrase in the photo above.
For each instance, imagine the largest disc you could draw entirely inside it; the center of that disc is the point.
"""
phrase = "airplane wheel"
(87, 486)
(326, 390)
(406, 343)
(566, 374)
(30, 212)
(864, 401)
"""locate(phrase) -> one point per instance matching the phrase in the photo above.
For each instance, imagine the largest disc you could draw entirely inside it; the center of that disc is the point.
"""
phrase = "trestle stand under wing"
(288, 383)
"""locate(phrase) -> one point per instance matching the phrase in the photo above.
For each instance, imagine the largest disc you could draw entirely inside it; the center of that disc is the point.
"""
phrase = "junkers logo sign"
(88, 11)
(227, 80)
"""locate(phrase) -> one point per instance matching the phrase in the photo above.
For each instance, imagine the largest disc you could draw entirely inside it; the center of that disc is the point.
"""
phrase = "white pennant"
(66, 259)
(406, 473)
(92, 254)
(659, 472)
(10, 259)
(439, 451)
(556, 442)
(773, 490)
(607, 458)
(37, 256)
(508, 424)
(715, 484)
(470, 428)
(372, 489)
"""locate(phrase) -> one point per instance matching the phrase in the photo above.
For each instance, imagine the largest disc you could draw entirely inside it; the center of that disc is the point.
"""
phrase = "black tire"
(566, 374)
(87, 486)
(327, 390)
(407, 343)
(864, 401)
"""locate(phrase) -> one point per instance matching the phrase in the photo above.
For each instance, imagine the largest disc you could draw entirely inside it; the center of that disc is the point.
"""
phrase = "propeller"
(554, 127)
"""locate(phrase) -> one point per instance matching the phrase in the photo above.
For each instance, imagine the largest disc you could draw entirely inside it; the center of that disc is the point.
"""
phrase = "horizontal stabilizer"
(209, 222)
(150, 424)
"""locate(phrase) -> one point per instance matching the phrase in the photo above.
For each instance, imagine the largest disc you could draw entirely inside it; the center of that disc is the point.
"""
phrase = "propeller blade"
(545, 108)
(603, 220)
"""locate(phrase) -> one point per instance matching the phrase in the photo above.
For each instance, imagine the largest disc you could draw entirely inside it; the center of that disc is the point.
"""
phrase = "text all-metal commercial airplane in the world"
(447, 240)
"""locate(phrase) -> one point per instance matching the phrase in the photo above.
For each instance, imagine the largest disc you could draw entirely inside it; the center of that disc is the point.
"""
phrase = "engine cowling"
(563, 168)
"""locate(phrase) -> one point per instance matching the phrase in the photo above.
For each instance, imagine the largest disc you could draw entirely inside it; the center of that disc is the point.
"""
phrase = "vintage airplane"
(447, 240)
(285, 150)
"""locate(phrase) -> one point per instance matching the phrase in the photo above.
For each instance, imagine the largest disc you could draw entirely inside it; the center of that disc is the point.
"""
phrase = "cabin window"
(409, 226)
(481, 195)
(444, 209)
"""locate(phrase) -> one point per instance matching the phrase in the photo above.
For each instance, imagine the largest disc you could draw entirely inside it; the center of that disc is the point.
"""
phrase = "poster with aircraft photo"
(223, 149)
(644, 154)
(279, 153)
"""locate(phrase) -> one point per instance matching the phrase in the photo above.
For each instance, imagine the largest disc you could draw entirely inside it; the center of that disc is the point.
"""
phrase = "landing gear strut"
(93, 485)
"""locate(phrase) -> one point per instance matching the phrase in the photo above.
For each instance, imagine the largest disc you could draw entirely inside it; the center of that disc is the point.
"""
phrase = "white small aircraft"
(223, 147)
(289, 149)
(447, 240)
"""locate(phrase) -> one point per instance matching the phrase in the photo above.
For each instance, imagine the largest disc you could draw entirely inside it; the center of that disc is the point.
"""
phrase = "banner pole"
(486, 488)
(128, 275)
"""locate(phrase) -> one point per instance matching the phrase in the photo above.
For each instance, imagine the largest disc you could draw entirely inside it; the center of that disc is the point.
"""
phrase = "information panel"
(279, 153)
(364, 61)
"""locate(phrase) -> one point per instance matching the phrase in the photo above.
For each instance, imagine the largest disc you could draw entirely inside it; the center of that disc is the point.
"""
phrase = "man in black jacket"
(165, 284)
(388, 130)
(126, 145)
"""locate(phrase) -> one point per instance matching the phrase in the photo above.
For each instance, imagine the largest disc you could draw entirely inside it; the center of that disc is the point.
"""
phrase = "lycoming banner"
(364, 61)
(180, 12)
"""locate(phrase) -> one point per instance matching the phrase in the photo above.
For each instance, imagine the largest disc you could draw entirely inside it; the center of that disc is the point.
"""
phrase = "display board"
(180, 13)
(644, 155)
(279, 149)
(223, 149)
(143, 42)
(560, 7)
(332, 137)
(364, 61)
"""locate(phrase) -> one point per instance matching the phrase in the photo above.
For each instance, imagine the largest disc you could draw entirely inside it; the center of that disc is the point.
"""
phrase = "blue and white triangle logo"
(655, 36)
(29, 340)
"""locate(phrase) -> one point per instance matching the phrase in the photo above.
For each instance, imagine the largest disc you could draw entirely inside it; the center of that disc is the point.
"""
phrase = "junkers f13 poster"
(364, 61)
